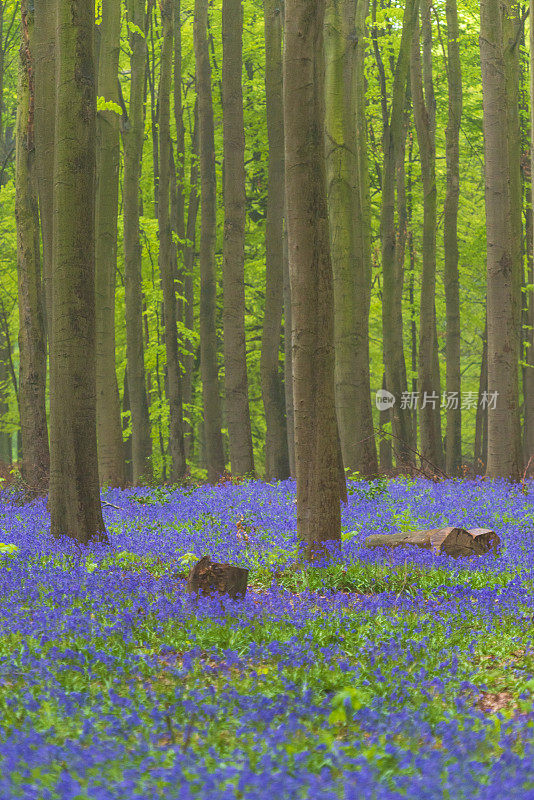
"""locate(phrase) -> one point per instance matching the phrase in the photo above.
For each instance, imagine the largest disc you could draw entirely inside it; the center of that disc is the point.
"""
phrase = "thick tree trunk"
(133, 134)
(111, 465)
(504, 457)
(347, 195)
(394, 362)
(272, 385)
(32, 336)
(173, 384)
(45, 115)
(424, 106)
(528, 372)
(74, 487)
(310, 269)
(209, 367)
(450, 243)
(235, 354)
(288, 357)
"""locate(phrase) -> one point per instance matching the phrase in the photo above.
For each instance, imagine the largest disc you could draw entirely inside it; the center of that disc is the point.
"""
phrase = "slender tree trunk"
(45, 114)
(288, 357)
(391, 312)
(450, 242)
(167, 256)
(481, 422)
(74, 488)
(235, 355)
(5, 437)
(276, 444)
(385, 448)
(424, 106)
(504, 458)
(111, 465)
(127, 438)
(32, 336)
(310, 269)
(133, 134)
(348, 222)
(209, 368)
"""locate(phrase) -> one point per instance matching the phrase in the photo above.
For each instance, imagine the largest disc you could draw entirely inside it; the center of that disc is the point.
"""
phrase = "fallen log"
(455, 542)
(207, 577)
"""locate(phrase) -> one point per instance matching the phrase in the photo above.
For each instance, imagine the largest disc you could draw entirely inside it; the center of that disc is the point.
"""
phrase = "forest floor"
(406, 674)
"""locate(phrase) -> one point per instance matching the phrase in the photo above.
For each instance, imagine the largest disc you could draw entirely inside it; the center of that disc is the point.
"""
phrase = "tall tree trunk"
(32, 336)
(310, 269)
(235, 352)
(288, 356)
(272, 385)
(450, 242)
(528, 372)
(111, 465)
(132, 135)
(74, 488)
(45, 115)
(347, 195)
(394, 362)
(173, 383)
(504, 457)
(424, 106)
(5, 437)
(125, 424)
(481, 422)
(209, 367)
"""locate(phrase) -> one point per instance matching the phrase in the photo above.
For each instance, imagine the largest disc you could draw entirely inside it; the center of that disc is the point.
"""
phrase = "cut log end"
(207, 577)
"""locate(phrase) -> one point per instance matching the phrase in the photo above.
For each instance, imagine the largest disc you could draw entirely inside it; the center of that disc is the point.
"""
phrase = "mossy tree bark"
(32, 336)
(272, 384)
(450, 242)
(74, 497)
(349, 229)
(209, 367)
(503, 303)
(132, 135)
(108, 411)
(167, 254)
(310, 269)
(528, 370)
(424, 107)
(235, 352)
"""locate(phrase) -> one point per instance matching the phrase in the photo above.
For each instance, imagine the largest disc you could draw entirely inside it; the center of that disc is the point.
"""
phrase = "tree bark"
(111, 464)
(32, 336)
(347, 196)
(310, 269)
(424, 106)
(173, 384)
(45, 114)
(480, 458)
(450, 242)
(504, 458)
(235, 355)
(528, 371)
(394, 361)
(272, 386)
(74, 498)
(288, 355)
(132, 135)
(209, 368)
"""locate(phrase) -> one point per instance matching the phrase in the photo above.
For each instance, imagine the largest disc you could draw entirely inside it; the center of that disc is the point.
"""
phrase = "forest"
(266, 399)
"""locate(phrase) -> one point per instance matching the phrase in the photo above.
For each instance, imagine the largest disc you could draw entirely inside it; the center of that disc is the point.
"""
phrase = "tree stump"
(455, 542)
(207, 577)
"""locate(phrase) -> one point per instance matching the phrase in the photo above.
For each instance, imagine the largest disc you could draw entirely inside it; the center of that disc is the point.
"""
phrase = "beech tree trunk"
(310, 269)
(45, 115)
(209, 367)
(504, 457)
(173, 384)
(235, 355)
(349, 220)
(424, 106)
(132, 135)
(394, 362)
(74, 497)
(450, 242)
(528, 372)
(32, 336)
(272, 385)
(108, 410)
(481, 422)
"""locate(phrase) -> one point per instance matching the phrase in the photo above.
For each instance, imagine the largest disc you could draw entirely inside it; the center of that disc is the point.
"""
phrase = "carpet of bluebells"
(389, 674)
